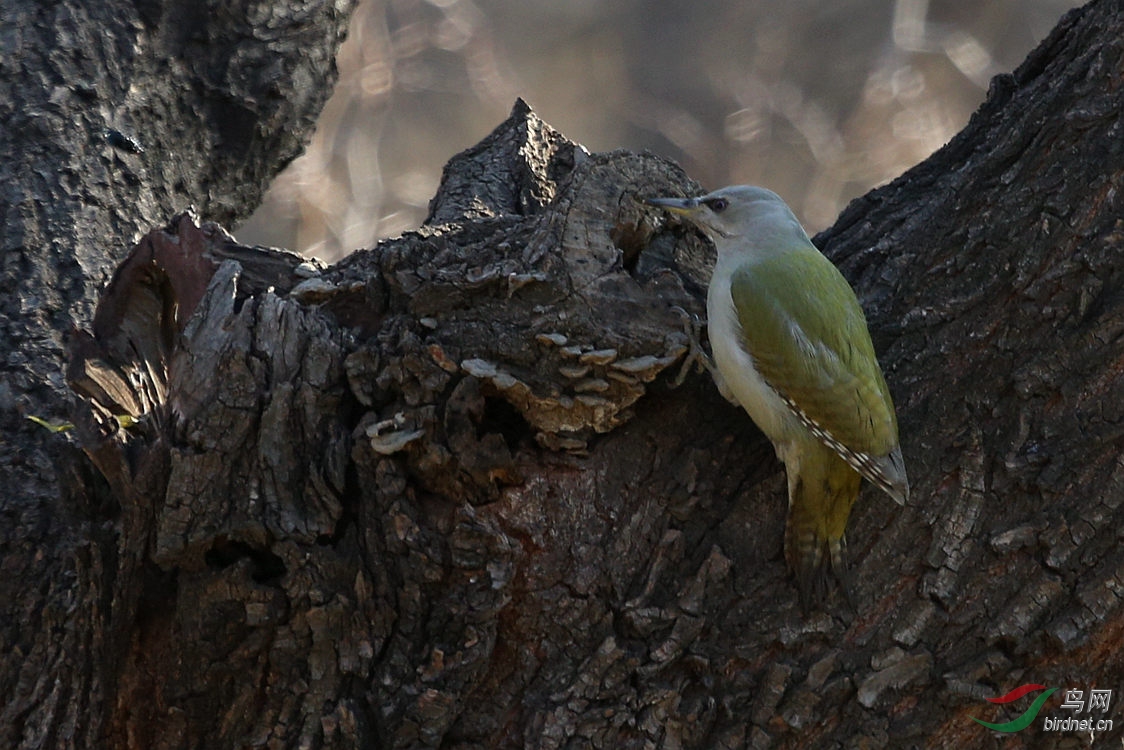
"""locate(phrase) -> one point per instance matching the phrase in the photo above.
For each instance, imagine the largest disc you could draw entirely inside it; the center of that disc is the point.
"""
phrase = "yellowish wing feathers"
(807, 335)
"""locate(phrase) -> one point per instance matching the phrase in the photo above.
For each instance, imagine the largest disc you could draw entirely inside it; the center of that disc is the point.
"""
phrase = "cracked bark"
(113, 117)
(442, 494)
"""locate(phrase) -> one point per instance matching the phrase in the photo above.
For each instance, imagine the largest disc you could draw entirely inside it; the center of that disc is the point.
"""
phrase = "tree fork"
(441, 493)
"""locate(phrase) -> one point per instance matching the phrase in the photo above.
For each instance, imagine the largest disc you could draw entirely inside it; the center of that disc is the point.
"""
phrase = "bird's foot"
(696, 357)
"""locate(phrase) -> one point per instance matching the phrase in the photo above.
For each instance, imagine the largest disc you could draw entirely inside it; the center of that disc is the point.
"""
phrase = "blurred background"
(819, 100)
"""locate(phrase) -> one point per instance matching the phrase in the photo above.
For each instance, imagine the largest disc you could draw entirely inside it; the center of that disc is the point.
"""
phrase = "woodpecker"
(790, 345)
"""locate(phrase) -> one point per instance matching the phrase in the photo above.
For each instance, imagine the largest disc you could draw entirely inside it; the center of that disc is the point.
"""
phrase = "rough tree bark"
(443, 495)
(113, 117)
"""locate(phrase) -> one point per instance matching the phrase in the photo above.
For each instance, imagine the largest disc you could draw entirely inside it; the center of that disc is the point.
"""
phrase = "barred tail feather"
(822, 489)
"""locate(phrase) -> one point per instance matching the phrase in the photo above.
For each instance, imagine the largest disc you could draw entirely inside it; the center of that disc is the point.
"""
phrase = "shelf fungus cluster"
(594, 392)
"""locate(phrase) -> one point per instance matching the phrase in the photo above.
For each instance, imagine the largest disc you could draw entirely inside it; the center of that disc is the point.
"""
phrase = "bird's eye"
(717, 205)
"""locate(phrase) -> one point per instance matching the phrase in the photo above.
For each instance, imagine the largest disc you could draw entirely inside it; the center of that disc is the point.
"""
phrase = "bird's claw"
(696, 356)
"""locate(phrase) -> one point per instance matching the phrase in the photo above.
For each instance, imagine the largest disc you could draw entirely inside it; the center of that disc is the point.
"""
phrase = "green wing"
(807, 335)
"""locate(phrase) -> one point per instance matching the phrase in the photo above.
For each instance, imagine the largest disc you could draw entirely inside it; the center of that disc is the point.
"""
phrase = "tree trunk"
(444, 493)
(113, 117)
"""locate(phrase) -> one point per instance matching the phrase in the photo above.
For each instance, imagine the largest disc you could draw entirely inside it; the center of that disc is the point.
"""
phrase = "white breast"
(736, 367)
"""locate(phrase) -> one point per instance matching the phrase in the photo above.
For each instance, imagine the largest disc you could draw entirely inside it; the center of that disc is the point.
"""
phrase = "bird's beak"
(693, 211)
(681, 206)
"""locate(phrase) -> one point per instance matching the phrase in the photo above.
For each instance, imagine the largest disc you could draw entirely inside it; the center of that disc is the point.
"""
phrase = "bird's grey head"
(738, 212)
